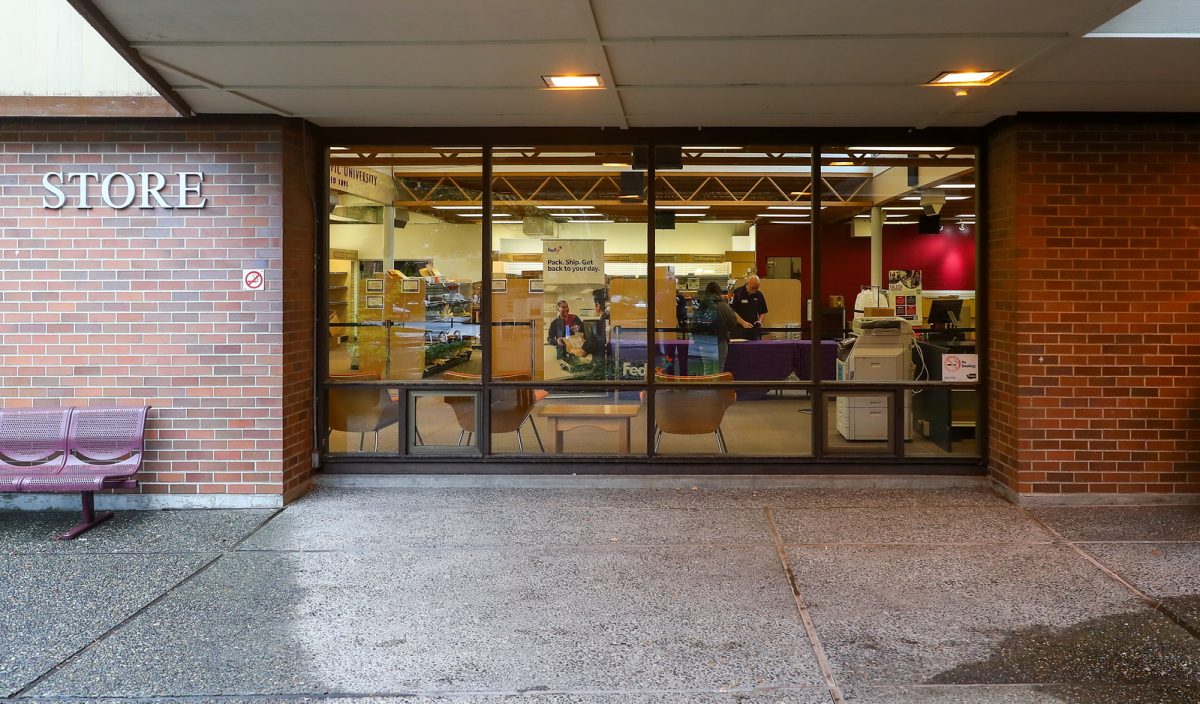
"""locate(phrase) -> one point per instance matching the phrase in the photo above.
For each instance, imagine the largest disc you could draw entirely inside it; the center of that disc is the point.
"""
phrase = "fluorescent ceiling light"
(957, 186)
(574, 82)
(479, 215)
(689, 215)
(899, 149)
(967, 78)
(791, 222)
(589, 222)
(967, 216)
(617, 164)
(681, 207)
(579, 215)
(902, 207)
(457, 149)
(947, 198)
(842, 163)
(715, 149)
(722, 222)
(458, 207)
(514, 149)
(900, 222)
(789, 207)
(566, 207)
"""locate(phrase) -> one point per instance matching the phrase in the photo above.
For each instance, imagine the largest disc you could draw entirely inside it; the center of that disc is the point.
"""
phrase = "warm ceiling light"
(967, 78)
(618, 164)
(841, 163)
(584, 82)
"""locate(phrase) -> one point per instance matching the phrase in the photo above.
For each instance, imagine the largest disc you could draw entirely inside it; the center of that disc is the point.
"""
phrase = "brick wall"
(1094, 244)
(101, 306)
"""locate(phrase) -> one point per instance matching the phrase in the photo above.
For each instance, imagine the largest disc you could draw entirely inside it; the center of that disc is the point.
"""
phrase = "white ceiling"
(666, 62)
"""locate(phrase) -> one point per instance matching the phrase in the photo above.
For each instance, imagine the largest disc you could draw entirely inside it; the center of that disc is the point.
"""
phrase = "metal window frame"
(819, 461)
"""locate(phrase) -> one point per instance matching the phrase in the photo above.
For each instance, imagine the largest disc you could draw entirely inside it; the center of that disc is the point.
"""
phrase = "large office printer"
(881, 350)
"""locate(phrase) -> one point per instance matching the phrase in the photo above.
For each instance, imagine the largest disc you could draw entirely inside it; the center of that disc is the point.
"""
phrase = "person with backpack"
(712, 324)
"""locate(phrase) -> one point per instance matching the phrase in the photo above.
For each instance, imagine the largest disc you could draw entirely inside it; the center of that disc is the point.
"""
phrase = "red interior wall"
(947, 259)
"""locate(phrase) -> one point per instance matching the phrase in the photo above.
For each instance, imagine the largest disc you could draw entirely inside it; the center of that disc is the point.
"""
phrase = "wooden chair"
(692, 411)
(511, 408)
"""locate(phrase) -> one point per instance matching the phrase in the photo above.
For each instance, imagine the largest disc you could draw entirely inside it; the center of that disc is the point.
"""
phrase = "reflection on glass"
(354, 413)
(944, 421)
(405, 262)
(548, 421)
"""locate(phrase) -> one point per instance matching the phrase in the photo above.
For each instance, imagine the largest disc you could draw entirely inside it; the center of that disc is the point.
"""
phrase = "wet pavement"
(560, 596)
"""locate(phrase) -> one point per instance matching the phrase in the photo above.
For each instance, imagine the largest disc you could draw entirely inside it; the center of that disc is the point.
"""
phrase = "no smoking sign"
(253, 280)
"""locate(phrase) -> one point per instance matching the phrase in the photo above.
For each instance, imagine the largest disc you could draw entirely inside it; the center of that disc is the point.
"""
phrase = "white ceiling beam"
(214, 85)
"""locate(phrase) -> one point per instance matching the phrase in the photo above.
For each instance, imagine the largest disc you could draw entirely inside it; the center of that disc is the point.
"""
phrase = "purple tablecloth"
(753, 360)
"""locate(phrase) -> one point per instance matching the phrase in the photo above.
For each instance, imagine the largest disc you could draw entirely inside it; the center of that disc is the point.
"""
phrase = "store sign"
(120, 190)
(573, 261)
(364, 183)
(960, 367)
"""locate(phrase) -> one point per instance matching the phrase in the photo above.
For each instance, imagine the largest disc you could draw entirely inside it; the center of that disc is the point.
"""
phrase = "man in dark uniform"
(750, 305)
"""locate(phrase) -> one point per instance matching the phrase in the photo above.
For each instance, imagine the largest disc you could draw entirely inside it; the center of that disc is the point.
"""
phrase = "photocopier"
(880, 350)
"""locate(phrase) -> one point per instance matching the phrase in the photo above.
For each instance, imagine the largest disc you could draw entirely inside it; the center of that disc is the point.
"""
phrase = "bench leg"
(91, 519)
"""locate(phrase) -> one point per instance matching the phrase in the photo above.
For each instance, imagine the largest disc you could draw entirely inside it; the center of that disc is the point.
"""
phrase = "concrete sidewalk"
(606, 596)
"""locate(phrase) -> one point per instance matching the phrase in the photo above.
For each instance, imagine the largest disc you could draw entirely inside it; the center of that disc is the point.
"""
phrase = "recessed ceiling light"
(589, 81)
(967, 78)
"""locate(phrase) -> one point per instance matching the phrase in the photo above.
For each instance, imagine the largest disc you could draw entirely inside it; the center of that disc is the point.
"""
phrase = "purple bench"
(65, 450)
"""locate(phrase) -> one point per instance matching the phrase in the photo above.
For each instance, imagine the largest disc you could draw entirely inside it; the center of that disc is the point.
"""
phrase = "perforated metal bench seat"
(68, 450)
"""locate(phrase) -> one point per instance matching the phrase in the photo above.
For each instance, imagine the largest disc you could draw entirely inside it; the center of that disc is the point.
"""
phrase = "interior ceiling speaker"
(664, 220)
(633, 184)
(401, 218)
(931, 203)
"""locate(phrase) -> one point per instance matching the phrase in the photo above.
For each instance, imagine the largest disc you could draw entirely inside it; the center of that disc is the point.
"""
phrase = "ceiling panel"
(1108, 60)
(752, 102)
(712, 118)
(843, 60)
(357, 20)
(748, 18)
(385, 118)
(466, 66)
(480, 106)
(1085, 97)
(208, 100)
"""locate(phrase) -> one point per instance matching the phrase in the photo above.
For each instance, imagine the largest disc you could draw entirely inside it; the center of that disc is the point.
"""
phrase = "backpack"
(704, 322)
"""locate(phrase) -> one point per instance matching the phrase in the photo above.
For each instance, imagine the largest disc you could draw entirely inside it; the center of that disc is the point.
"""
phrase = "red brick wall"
(1094, 243)
(136, 306)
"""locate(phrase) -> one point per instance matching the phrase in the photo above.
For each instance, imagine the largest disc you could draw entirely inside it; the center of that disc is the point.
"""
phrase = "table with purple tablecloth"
(750, 360)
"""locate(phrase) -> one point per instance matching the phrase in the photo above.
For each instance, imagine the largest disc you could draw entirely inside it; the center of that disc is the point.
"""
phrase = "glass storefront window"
(583, 320)
(569, 274)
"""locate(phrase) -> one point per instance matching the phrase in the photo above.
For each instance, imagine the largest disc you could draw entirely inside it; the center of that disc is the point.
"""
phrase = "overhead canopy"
(664, 63)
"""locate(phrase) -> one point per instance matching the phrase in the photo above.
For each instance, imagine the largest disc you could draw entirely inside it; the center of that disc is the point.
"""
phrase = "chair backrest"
(34, 435)
(356, 409)
(108, 434)
(692, 411)
(509, 409)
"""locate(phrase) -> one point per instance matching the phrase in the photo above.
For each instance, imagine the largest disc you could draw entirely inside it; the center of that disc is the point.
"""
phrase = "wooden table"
(603, 416)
